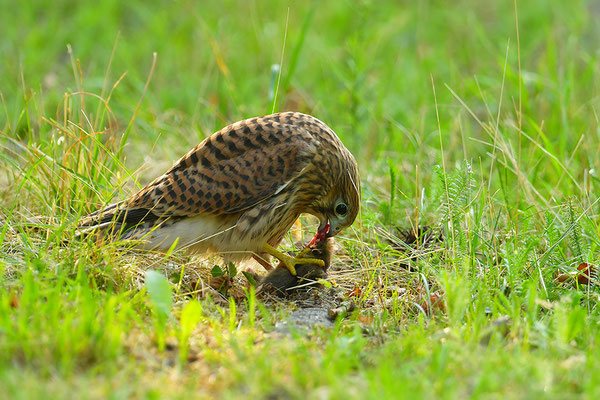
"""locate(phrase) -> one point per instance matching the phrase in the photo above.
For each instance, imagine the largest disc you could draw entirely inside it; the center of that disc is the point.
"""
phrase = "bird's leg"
(260, 258)
(289, 261)
(304, 252)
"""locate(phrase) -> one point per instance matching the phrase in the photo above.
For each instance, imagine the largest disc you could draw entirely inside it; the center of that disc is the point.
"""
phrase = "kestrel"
(239, 191)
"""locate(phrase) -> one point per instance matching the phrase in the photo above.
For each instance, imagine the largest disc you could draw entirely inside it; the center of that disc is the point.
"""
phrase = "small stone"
(345, 309)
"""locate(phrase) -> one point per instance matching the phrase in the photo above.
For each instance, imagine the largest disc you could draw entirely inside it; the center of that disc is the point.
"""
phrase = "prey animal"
(282, 283)
(240, 190)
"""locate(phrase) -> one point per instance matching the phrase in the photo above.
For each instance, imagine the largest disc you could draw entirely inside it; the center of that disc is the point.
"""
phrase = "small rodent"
(280, 280)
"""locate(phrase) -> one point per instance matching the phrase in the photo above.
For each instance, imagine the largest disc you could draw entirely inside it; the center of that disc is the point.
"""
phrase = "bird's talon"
(303, 252)
(317, 261)
(290, 265)
(291, 262)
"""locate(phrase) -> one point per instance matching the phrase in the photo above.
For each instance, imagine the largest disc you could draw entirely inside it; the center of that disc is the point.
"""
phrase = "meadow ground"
(478, 119)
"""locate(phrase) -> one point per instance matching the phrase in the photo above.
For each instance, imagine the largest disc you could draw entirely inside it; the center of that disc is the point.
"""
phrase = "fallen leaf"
(14, 300)
(220, 283)
(586, 271)
(356, 292)
(563, 277)
(435, 303)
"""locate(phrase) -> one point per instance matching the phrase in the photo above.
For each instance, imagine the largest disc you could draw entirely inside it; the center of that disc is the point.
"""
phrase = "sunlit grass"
(490, 141)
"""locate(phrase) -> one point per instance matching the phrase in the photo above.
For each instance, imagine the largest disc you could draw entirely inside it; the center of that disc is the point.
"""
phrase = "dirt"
(318, 306)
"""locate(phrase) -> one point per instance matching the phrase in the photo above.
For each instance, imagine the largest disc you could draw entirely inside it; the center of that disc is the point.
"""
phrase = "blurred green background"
(363, 67)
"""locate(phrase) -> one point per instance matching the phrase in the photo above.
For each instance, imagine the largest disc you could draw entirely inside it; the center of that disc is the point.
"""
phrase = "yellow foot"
(289, 261)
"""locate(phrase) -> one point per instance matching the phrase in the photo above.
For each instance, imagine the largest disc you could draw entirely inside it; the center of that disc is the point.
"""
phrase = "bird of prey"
(239, 191)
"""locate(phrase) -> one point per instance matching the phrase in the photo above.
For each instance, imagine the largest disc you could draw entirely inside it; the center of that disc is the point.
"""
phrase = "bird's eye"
(341, 209)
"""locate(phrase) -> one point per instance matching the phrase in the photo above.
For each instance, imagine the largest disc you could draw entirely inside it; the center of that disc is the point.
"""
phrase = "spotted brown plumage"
(239, 191)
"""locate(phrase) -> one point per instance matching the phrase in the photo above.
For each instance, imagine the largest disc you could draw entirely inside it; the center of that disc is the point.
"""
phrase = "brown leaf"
(586, 271)
(563, 277)
(356, 292)
(435, 303)
(220, 283)
(14, 300)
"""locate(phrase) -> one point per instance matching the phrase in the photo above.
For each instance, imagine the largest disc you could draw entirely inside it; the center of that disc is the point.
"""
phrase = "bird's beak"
(334, 228)
(322, 233)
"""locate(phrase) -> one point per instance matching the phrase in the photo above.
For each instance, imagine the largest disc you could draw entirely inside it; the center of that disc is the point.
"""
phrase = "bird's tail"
(116, 220)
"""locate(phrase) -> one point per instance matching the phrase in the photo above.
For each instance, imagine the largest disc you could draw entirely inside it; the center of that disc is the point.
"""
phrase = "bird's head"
(338, 210)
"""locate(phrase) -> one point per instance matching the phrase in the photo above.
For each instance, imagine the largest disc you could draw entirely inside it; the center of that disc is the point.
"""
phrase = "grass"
(460, 123)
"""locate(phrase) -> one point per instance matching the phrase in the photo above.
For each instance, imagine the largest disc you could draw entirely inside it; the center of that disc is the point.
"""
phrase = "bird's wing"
(232, 170)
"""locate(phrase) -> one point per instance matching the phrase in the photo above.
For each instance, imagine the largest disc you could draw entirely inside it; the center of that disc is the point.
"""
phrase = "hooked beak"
(322, 233)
